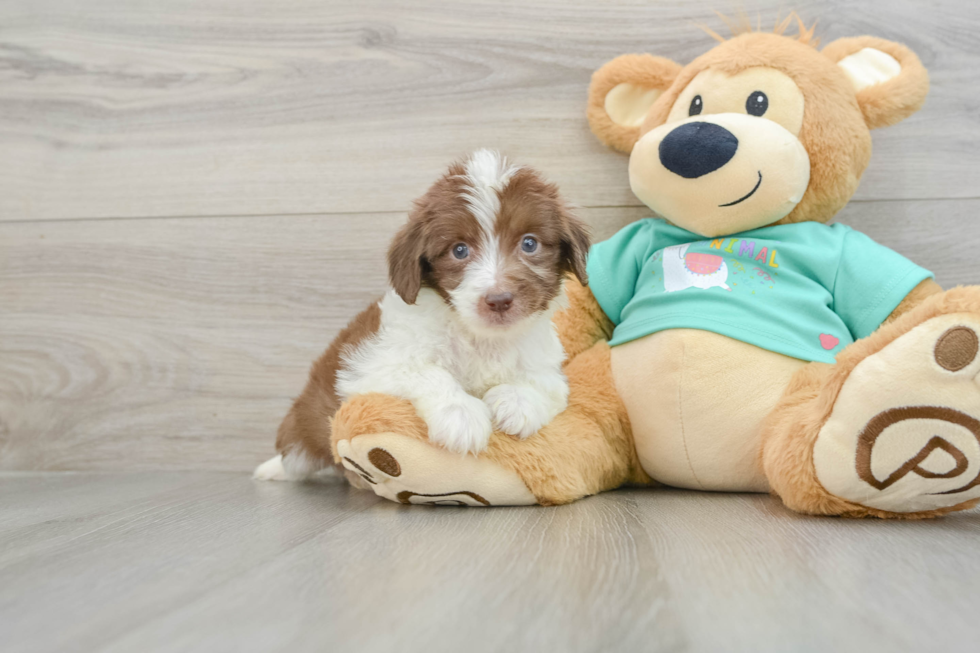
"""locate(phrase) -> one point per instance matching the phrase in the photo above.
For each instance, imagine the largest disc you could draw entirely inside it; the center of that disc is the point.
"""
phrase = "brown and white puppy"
(465, 333)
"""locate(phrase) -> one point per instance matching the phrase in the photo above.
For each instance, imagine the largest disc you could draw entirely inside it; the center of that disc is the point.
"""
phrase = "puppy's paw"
(462, 426)
(517, 410)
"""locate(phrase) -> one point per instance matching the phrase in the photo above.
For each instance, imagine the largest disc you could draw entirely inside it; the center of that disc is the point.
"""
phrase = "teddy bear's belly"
(696, 401)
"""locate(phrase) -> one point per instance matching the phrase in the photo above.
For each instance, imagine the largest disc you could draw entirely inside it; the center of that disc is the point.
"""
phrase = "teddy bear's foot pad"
(407, 470)
(904, 434)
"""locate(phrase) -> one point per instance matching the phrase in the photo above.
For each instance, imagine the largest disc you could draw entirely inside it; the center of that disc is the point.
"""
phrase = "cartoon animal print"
(683, 270)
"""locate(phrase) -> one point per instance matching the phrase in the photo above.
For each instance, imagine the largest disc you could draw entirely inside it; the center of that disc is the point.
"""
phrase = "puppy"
(465, 332)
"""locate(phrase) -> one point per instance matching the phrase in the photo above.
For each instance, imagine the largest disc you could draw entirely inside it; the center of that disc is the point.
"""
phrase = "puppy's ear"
(574, 245)
(405, 264)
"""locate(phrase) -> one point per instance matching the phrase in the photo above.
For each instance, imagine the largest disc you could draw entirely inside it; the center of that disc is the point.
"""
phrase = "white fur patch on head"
(868, 67)
(480, 276)
(487, 173)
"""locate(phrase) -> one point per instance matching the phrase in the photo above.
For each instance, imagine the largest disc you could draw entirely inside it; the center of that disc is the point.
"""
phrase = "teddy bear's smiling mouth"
(751, 193)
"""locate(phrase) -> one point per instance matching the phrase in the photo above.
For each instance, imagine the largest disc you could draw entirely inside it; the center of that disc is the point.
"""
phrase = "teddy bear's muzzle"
(720, 174)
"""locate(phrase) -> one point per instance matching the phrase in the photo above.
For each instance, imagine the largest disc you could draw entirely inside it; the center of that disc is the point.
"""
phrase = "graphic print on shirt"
(828, 341)
(683, 270)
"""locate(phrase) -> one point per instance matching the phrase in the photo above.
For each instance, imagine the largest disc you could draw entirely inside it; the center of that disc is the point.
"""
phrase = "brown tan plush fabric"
(643, 70)
(583, 323)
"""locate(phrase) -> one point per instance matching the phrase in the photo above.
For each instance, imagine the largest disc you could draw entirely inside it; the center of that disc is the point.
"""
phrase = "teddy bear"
(734, 340)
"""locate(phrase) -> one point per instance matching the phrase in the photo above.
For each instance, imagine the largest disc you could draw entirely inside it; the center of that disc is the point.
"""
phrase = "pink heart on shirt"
(828, 341)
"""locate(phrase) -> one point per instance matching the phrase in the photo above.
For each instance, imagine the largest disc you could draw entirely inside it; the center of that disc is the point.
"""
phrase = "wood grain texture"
(195, 195)
(244, 107)
(131, 340)
(179, 343)
(214, 562)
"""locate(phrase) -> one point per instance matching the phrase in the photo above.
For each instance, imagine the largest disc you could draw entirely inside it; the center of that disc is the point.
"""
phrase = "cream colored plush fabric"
(627, 104)
(696, 401)
(905, 380)
(413, 471)
(868, 67)
(771, 165)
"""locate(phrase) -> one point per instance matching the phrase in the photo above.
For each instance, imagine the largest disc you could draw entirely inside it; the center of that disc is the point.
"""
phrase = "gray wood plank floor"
(205, 561)
(195, 195)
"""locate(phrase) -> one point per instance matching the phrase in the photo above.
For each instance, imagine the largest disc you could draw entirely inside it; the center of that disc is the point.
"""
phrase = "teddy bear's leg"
(891, 430)
(381, 440)
(586, 449)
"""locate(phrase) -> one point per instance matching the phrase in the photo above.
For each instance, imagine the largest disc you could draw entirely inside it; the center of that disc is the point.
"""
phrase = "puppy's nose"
(499, 302)
(697, 148)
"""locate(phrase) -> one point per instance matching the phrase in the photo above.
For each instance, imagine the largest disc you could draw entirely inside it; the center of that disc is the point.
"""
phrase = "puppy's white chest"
(481, 366)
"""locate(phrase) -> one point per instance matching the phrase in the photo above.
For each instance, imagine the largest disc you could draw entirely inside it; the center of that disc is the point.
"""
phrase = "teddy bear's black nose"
(696, 148)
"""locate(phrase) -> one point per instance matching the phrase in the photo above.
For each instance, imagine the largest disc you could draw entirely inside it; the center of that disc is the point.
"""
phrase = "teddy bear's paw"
(407, 470)
(517, 410)
(904, 433)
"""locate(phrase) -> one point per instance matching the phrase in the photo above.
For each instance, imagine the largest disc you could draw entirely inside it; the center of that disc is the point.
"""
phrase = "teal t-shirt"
(804, 290)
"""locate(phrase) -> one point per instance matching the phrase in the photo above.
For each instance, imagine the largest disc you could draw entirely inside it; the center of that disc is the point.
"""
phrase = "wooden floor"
(210, 561)
(195, 195)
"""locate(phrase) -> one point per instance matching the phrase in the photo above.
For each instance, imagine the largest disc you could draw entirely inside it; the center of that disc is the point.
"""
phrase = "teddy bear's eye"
(757, 103)
(696, 105)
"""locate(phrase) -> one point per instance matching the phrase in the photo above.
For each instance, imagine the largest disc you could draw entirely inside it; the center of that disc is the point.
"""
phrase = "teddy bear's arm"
(582, 323)
(925, 289)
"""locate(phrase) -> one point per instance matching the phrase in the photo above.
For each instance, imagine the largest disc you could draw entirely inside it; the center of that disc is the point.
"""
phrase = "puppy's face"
(494, 240)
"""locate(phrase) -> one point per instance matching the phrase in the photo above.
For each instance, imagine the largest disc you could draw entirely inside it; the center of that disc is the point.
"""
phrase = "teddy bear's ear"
(621, 94)
(889, 80)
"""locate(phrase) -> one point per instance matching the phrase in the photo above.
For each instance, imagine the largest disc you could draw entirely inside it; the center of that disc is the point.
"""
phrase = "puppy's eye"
(757, 104)
(696, 105)
(529, 245)
(461, 251)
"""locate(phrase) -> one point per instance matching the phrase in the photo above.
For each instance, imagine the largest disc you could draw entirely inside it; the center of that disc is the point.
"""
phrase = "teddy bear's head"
(762, 129)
